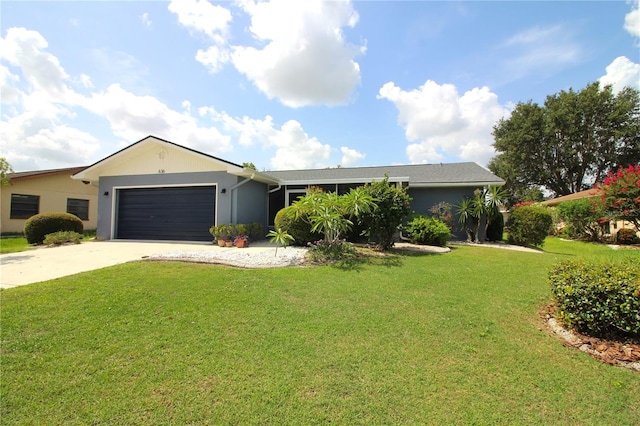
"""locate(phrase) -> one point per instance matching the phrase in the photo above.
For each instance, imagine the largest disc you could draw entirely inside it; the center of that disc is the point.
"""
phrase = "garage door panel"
(176, 213)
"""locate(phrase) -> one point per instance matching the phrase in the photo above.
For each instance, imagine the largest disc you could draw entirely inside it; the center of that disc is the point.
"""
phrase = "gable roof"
(94, 171)
(416, 175)
(17, 176)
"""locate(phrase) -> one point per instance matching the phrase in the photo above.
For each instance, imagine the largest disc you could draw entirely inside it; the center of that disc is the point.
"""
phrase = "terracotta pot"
(221, 242)
(241, 243)
(228, 243)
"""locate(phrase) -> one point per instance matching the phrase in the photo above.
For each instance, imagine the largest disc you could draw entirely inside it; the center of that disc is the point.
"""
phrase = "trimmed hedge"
(299, 228)
(62, 237)
(529, 225)
(598, 299)
(37, 227)
(429, 231)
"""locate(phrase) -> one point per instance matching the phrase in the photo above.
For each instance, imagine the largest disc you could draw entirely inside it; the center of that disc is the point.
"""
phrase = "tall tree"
(569, 143)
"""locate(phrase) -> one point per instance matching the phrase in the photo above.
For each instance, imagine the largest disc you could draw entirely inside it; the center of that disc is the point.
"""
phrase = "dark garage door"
(175, 213)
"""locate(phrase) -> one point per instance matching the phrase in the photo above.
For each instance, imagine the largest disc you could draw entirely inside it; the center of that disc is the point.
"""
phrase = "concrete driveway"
(46, 263)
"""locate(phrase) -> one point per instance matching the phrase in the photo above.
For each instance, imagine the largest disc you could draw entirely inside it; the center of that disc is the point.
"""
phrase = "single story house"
(613, 226)
(30, 193)
(158, 190)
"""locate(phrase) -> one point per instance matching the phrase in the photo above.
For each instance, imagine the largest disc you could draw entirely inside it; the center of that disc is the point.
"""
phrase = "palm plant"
(280, 237)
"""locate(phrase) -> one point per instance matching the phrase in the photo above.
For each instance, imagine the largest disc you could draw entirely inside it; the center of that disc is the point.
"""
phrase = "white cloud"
(438, 121)
(201, 16)
(42, 71)
(39, 130)
(146, 21)
(620, 73)
(133, 117)
(294, 148)
(213, 58)
(350, 156)
(632, 19)
(303, 58)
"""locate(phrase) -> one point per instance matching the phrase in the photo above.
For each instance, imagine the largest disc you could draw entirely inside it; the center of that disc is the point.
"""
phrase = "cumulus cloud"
(620, 73)
(38, 128)
(294, 148)
(350, 156)
(200, 16)
(303, 58)
(632, 19)
(438, 121)
(26, 49)
(133, 117)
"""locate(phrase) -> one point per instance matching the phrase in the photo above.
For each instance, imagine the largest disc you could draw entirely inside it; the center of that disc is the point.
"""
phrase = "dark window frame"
(78, 207)
(23, 206)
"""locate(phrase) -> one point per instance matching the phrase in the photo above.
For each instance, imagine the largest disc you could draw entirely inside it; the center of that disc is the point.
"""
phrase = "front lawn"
(410, 339)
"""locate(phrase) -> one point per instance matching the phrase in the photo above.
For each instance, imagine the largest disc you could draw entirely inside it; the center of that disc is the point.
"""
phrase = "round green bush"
(529, 225)
(428, 231)
(602, 300)
(37, 227)
(299, 228)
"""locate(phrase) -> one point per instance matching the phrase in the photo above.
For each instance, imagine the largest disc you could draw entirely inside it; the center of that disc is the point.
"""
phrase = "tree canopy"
(5, 169)
(569, 143)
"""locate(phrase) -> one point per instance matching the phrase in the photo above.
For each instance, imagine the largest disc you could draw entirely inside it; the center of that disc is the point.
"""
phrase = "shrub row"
(599, 299)
(37, 227)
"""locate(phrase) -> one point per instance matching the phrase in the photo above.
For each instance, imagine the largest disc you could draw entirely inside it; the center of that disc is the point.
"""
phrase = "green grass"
(13, 244)
(412, 339)
(16, 242)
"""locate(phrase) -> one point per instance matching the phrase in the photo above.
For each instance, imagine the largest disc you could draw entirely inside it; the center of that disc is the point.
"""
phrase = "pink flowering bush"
(620, 195)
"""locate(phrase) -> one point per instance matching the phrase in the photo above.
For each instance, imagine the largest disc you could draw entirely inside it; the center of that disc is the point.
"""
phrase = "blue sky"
(292, 84)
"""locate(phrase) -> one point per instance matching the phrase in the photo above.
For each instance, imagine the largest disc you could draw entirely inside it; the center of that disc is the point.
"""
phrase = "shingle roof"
(588, 193)
(39, 173)
(445, 174)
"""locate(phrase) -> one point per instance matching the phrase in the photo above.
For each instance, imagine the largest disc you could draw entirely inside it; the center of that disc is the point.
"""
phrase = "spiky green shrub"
(62, 237)
(38, 226)
(427, 230)
(599, 299)
(529, 225)
(299, 227)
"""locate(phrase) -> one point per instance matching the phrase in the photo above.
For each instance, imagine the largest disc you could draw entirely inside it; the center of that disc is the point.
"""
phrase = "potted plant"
(220, 234)
(241, 241)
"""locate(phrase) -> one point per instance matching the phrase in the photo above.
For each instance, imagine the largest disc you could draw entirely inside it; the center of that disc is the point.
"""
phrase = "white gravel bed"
(244, 258)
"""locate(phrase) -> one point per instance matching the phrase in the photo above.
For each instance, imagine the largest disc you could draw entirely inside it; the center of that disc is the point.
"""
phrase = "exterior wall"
(250, 203)
(425, 198)
(53, 191)
(109, 185)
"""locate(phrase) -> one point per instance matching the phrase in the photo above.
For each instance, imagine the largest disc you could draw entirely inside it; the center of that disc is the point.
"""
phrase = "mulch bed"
(619, 353)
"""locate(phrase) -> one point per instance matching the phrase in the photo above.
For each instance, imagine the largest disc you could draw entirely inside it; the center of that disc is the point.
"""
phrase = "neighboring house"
(614, 226)
(30, 193)
(159, 190)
